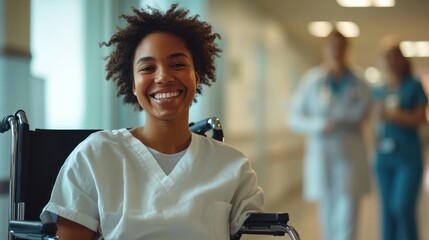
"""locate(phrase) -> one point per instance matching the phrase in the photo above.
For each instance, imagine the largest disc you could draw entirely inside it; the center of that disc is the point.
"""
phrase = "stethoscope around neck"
(326, 92)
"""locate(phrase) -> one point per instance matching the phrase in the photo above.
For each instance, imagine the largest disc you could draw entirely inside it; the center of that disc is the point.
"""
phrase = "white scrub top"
(339, 157)
(112, 185)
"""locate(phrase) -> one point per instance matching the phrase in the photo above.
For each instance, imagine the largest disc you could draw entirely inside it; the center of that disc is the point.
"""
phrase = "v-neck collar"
(151, 166)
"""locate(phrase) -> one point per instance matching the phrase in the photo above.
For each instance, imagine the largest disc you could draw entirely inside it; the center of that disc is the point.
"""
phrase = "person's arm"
(409, 117)
(406, 118)
(299, 120)
(69, 230)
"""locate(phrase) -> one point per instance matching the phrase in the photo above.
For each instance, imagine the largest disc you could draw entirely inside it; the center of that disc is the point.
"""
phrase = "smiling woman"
(157, 180)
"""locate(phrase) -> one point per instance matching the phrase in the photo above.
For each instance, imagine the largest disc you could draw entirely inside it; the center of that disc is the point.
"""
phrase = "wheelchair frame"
(275, 224)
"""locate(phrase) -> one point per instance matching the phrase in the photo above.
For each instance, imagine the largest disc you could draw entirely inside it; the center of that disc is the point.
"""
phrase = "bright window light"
(348, 29)
(366, 3)
(320, 28)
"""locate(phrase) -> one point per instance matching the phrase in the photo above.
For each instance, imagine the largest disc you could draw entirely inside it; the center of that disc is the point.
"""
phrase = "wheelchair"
(36, 155)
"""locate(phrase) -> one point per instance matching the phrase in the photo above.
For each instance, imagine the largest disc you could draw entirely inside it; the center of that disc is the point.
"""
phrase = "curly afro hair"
(196, 34)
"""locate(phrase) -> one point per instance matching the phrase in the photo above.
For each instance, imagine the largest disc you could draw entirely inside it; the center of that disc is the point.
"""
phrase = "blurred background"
(52, 67)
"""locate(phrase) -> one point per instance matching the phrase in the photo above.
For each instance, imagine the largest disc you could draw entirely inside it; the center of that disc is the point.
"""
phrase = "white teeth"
(160, 96)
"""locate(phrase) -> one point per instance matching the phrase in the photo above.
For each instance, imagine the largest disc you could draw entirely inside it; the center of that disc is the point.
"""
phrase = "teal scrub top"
(393, 138)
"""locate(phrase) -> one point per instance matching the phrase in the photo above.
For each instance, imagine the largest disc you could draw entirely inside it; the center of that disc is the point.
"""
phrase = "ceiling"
(408, 20)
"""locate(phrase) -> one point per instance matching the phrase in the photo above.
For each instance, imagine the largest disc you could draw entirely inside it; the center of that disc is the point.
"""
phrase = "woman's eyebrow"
(144, 59)
(174, 55)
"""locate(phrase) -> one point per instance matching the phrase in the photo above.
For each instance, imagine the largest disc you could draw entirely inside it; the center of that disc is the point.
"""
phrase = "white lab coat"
(112, 184)
(339, 156)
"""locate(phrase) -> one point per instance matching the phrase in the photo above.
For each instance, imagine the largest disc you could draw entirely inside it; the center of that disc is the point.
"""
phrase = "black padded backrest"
(47, 151)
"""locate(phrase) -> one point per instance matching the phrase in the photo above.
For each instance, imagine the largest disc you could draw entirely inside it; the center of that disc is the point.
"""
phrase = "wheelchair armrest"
(32, 230)
(265, 224)
(267, 218)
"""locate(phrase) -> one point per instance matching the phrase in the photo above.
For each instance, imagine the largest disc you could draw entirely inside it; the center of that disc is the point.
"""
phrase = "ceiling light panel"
(348, 29)
(383, 3)
(320, 28)
(415, 48)
(323, 28)
(366, 3)
(354, 3)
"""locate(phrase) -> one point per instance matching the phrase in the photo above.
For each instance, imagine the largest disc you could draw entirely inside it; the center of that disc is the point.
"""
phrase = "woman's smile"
(167, 95)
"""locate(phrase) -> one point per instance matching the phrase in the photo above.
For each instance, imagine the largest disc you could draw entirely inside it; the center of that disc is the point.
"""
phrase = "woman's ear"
(134, 90)
(197, 78)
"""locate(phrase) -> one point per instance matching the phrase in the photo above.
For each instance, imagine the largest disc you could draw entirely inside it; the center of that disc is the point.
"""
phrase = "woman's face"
(165, 80)
(394, 61)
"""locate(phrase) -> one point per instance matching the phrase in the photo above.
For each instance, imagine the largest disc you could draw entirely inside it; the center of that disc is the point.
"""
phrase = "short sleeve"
(74, 194)
(247, 199)
(421, 98)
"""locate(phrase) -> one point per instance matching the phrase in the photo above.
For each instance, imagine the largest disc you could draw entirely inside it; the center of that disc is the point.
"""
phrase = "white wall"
(262, 65)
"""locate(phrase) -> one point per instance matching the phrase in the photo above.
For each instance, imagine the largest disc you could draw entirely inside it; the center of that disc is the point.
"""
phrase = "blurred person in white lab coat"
(329, 108)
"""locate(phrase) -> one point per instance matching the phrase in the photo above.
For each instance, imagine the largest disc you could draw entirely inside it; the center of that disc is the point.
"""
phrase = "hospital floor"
(304, 217)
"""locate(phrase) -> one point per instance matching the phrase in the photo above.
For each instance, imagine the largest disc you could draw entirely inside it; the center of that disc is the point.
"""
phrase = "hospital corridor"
(54, 61)
(305, 219)
(304, 216)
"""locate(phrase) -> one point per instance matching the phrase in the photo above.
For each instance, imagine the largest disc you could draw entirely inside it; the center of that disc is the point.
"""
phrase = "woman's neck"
(165, 137)
(395, 80)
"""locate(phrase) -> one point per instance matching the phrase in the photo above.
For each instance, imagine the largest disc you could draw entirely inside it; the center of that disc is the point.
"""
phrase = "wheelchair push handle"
(21, 117)
(211, 123)
(5, 123)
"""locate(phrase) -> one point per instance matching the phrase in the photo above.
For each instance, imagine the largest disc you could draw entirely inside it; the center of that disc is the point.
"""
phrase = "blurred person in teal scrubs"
(330, 107)
(399, 110)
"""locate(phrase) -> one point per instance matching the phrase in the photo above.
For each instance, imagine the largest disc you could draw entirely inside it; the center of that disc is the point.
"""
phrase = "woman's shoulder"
(413, 81)
(412, 84)
(104, 139)
(108, 134)
(210, 144)
(217, 154)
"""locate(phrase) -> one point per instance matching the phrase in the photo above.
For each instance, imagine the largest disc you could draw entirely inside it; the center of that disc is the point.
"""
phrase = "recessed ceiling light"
(348, 29)
(383, 3)
(320, 28)
(422, 48)
(415, 49)
(323, 28)
(366, 3)
(407, 48)
(354, 3)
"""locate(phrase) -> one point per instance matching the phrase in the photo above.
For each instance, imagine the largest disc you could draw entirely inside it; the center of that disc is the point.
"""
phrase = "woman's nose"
(163, 76)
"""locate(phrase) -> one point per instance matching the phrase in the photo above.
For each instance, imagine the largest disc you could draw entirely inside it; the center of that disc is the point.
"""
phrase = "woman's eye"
(146, 69)
(178, 65)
